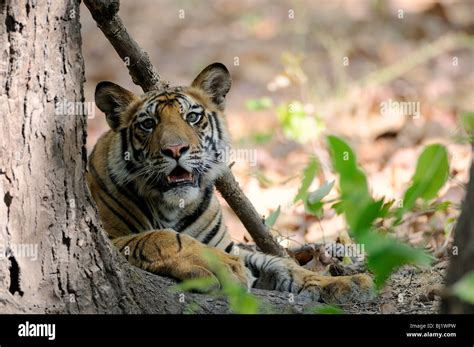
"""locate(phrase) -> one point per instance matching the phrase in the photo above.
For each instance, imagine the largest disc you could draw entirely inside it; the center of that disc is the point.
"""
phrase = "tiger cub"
(151, 176)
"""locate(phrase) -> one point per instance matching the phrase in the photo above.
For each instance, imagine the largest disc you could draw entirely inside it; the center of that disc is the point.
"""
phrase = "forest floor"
(408, 291)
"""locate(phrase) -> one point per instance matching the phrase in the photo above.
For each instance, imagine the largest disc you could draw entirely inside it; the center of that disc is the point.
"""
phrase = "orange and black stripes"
(129, 173)
(152, 176)
(108, 198)
(119, 175)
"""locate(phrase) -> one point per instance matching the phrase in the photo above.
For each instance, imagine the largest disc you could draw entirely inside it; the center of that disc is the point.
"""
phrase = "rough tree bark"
(44, 201)
(462, 261)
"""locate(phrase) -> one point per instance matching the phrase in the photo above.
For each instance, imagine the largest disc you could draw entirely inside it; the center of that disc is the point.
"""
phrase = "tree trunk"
(46, 207)
(54, 256)
(462, 260)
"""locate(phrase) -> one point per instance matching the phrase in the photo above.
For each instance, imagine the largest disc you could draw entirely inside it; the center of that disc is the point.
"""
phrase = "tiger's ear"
(215, 80)
(112, 99)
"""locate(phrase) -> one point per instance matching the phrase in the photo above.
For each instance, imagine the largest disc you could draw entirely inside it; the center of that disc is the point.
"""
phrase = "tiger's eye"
(193, 118)
(147, 124)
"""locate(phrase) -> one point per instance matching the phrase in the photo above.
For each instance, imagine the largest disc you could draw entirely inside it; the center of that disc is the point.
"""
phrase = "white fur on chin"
(181, 196)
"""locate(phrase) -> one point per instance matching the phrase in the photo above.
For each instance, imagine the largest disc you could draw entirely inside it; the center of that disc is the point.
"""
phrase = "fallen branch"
(145, 75)
(243, 208)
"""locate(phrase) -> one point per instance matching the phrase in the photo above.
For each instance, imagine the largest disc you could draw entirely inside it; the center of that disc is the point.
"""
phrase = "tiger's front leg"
(169, 253)
(283, 274)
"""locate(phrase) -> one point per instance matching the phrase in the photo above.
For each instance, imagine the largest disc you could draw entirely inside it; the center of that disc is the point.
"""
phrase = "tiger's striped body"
(124, 211)
(152, 178)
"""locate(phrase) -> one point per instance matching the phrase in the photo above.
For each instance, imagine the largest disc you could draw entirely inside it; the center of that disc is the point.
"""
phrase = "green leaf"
(263, 180)
(443, 206)
(296, 123)
(344, 161)
(338, 207)
(201, 285)
(191, 308)
(342, 156)
(262, 137)
(449, 225)
(467, 121)
(240, 300)
(464, 288)
(308, 176)
(315, 209)
(386, 255)
(352, 180)
(367, 216)
(259, 104)
(432, 170)
(385, 210)
(326, 309)
(313, 204)
(321, 192)
(272, 218)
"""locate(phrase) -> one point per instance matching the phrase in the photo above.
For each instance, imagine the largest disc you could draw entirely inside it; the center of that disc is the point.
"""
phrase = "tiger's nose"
(175, 151)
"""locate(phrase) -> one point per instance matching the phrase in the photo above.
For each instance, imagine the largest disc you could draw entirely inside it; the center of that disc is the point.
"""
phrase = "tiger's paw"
(333, 290)
(184, 258)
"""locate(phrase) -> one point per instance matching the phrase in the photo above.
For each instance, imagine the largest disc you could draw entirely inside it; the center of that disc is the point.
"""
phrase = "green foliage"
(272, 218)
(262, 179)
(337, 206)
(325, 309)
(467, 121)
(384, 254)
(464, 288)
(443, 206)
(449, 225)
(321, 192)
(258, 137)
(240, 300)
(313, 203)
(261, 138)
(191, 308)
(361, 211)
(250, 20)
(385, 210)
(258, 104)
(200, 285)
(308, 176)
(297, 125)
(355, 198)
(432, 170)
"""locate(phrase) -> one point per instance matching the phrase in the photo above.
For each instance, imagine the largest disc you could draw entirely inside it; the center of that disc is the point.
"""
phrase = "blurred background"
(304, 69)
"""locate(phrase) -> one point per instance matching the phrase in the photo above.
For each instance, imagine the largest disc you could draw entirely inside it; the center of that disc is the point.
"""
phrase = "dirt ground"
(408, 291)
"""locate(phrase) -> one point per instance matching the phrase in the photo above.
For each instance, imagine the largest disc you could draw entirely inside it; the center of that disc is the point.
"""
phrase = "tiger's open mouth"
(180, 176)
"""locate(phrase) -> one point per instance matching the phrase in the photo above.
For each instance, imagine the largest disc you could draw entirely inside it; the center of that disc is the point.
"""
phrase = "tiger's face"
(171, 142)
